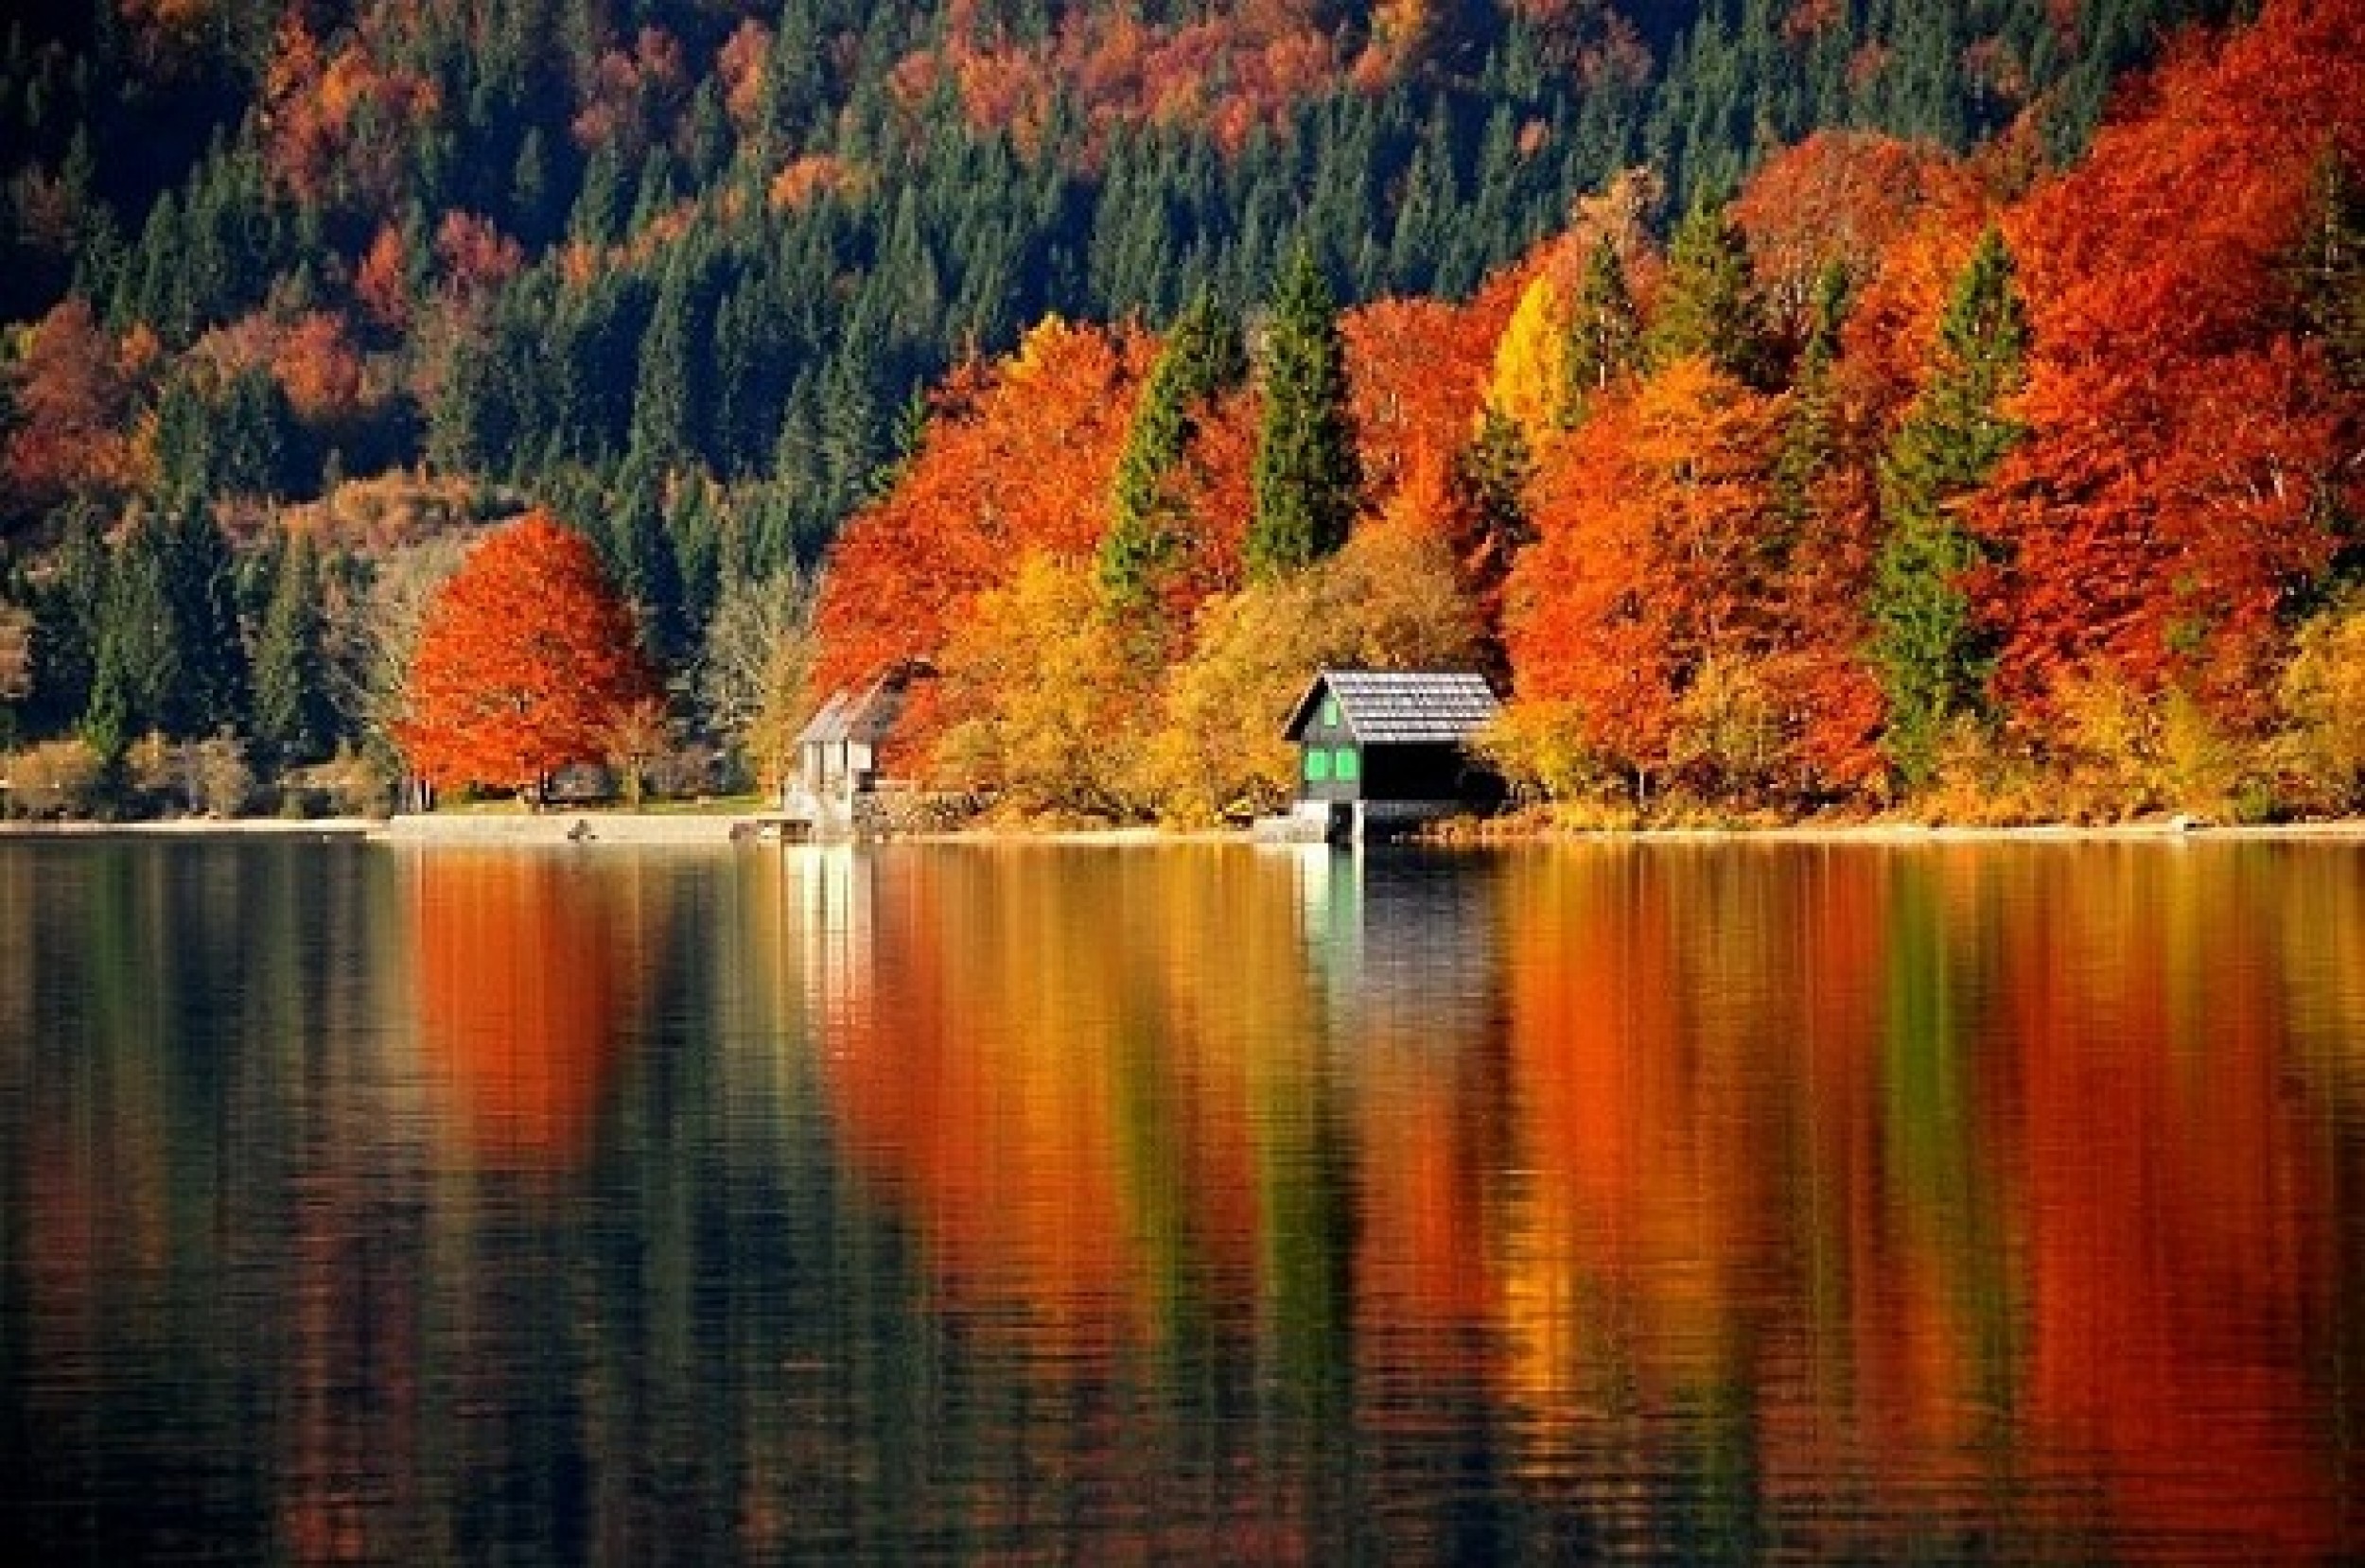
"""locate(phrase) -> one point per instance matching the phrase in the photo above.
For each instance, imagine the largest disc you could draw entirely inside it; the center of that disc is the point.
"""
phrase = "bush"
(1539, 749)
(220, 780)
(60, 778)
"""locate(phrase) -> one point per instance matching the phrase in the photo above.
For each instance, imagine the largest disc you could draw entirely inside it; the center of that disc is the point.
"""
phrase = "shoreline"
(646, 829)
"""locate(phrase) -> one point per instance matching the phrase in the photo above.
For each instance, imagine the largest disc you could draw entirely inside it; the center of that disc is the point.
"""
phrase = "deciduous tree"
(527, 658)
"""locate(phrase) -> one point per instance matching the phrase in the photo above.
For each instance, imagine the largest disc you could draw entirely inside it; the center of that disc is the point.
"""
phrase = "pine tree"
(1307, 477)
(1706, 306)
(2328, 269)
(291, 718)
(1604, 332)
(1812, 429)
(1201, 358)
(69, 614)
(138, 670)
(201, 593)
(641, 558)
(1930, 654)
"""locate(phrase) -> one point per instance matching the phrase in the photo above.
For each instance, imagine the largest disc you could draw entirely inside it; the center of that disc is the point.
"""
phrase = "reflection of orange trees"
(521, 979)
(2174, 1213)
(1076, 1111)
(1957, 1168)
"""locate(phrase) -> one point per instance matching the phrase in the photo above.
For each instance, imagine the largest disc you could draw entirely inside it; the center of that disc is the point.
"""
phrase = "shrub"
(60, 778)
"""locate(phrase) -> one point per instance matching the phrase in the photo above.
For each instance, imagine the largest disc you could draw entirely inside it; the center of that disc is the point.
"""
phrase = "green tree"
(1707, 306)
(1201, 358)
(1604, 331)
(1929, 652)
(641, 558)
(292, 716)
(2328, 269)
(137, 672)
(1810, 430)
(1308, 478)
(69, 614)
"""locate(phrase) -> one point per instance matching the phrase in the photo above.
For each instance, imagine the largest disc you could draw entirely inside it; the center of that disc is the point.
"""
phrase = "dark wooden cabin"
(1389, 736)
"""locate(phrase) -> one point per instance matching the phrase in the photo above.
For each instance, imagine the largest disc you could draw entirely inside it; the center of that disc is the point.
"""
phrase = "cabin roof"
(863, 714)
(1401, 706)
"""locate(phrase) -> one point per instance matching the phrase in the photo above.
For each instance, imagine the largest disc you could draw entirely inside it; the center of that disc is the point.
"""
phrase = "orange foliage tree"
(527, 659)
(1648, 582)
(1010, 456)
(2165, 511)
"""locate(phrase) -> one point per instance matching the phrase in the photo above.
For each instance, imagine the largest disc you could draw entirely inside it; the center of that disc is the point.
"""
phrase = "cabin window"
(1330, 712)
(1317, 765)
(1345, 765)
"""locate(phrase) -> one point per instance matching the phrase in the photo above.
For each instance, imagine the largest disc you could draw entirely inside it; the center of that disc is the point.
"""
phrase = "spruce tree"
(1810, 433)
(1930, 654)
(1604, 332)
(138, 671)
(201, 590)
(2327, 268)
(292, 718)
(1201, 358)
(641, 558)
(1707, 306)
(1307, 477)
(69, 614)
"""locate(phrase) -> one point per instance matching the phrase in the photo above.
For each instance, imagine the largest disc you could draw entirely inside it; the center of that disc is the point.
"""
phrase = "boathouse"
(1384, 748)
(839, 750)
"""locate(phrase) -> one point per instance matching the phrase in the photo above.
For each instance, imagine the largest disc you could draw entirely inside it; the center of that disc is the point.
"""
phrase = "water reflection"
(1687, 1202)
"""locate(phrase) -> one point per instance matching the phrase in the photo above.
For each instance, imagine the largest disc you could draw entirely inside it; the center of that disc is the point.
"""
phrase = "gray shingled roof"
(1402, 708)
(864, 715)
(827, 723)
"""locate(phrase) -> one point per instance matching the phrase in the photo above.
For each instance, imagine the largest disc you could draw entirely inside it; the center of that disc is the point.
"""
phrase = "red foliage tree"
(73, 397)
(527, 658)
(2165, 508)
(1845, 197)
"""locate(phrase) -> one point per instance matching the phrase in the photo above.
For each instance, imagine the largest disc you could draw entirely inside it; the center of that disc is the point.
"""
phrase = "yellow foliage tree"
(1531, 380)
(1390, 599)
(2324, 695)
(1048, 714)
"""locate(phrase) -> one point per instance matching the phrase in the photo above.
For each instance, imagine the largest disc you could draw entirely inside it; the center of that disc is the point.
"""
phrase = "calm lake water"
(2002, 1203)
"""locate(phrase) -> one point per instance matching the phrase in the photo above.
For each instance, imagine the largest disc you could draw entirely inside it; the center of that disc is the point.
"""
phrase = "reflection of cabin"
(839, 751)
(1379, 748)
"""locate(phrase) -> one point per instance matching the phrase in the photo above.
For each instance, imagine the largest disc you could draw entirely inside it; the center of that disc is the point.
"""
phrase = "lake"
(1682, 1202)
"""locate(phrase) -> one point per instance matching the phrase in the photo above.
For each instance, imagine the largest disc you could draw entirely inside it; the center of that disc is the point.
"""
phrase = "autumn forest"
(1796, 406)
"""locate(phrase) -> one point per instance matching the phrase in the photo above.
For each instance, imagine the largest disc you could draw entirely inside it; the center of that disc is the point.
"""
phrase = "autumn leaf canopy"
(526, 660)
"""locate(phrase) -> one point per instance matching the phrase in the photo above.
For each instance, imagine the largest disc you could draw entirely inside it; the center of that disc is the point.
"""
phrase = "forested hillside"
(305, 291)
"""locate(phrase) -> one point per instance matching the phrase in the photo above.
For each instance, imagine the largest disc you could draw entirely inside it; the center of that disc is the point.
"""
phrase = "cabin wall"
(1327, 735)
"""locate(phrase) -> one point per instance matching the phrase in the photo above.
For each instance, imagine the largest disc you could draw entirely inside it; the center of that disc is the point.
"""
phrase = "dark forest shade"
(1390, 735)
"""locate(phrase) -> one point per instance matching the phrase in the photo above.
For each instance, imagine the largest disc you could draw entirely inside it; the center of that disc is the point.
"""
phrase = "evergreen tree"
(201, 595)
(292, 717)
(1308, 478)
(663, 410)
(641, 560)
(1810, 433)
(2328, 269)
(1929, 652)
(137, 672)
(1201, 358)
(1604, 332)
(1707, 305)
(68, 614)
